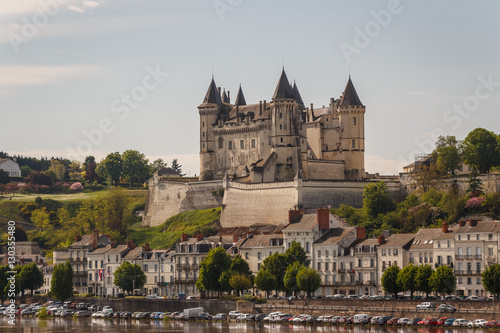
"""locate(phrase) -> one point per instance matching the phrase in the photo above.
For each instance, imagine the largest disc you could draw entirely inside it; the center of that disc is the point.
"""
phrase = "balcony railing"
(162, 284)
(370, 282)
(186, 267)
(491, 258)
(459, 256)
(467, 272)
(478, 257)
(181, 281)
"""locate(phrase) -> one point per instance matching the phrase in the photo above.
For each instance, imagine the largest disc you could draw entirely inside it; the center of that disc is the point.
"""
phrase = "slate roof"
(134, 253)
(350, 96)
(240, 98)
(212, 96)
(87, 241)
(283, 89)
(481, 226)
(301, 222)
(261, 241)
(334, 235)
(424, 238)
(397, 240)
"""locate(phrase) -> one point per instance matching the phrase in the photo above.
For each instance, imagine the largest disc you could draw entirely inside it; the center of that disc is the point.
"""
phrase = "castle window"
(230, 143)
(242, 144)
(281, 115)
(354, 120)
(221, 143)
(281, 139)
(203, 133)
(353, 143)
(253, 143)
(203, 146)
(281, 127)
(203, 124)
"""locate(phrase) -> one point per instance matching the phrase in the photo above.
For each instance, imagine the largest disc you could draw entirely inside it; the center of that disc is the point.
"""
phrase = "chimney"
(41, 261)
(184, 237)
(36, 258)
(293, 213)
(260, 108)
(312, 108)
(235, 238)
(360, 232)
(445, 227)
(381, 239)
(265, 106)
(199, 237)
(462, 223)
(130, 245)
(94, 236)
(78, 238)
(472, 222)
(114, 244)
(323, 218)
(146, 247)
(220, 239)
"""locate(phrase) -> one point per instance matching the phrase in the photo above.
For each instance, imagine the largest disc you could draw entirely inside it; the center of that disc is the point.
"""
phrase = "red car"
(393, 321)
(493, 324)
(441, 321)
(428, 322)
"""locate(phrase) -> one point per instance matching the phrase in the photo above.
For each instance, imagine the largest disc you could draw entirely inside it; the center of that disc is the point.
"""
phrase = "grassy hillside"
(166, 235)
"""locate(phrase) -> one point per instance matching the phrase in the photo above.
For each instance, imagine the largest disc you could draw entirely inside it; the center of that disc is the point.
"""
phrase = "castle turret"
(209, 111)
(352, 121)
(284, 128)
(240, 99)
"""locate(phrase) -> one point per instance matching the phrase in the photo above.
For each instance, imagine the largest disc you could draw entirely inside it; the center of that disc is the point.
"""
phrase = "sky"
(90, 77)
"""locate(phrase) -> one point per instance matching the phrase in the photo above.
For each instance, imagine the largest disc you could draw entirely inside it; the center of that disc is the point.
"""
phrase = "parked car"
(441, 321)
(374, 320)
(234, 314)
(460, 323)
(426, 306)
(383, 320)
(220, 316)
(493, 324)
(403, 321)
(446, 308)
(449, 322)
(414, 321)
(478, 323)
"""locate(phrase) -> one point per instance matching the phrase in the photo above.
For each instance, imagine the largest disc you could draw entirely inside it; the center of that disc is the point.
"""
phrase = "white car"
(234, 314)
(403, 321)
(460, 323)
(426, 305)
(478, 323)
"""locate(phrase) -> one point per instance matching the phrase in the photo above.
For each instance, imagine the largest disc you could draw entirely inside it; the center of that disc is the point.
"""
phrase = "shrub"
(474, 202)
(42, 314)
(76, 187)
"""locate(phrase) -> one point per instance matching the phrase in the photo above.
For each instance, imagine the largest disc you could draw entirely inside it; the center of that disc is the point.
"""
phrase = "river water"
(87, 325)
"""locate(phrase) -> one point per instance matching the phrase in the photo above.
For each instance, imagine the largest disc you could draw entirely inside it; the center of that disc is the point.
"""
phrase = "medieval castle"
(273, 141)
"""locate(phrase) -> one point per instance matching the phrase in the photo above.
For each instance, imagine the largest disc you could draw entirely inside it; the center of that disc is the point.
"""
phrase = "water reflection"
(32, 325)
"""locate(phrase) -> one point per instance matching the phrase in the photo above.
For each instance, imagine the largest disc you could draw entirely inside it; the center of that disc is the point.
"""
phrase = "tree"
(129, 276)
(157, 165)
(389, 280)
(376, 200)
(295, 253)
(308, 280)
(110, 168)
(426, 175)
(475, 183)
(277, 264)
(443, 280)
(40, 217)
(3, 282)
(239, 265)
(31, 278)
(422, 284)
(4, 177)
(211, 268)
(240, 282)
(58, 168)
(448, 150)
(62, 281)
(177, 167)
(265, 281)
(38, 178)
(290, 279)
(135, 166)
(407, 278)
(25, 171)
(491, 280)
(481, 150)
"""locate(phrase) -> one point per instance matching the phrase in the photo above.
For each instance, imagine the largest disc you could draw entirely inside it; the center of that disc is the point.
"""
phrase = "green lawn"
(62, 196)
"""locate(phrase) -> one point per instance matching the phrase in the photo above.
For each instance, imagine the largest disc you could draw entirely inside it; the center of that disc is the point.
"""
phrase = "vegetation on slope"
(167, 234)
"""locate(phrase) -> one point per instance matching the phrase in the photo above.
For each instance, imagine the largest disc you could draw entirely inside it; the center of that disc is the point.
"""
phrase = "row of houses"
(348, 262)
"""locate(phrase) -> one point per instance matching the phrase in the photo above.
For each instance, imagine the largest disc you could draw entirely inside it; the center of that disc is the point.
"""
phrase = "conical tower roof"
(283, 89)
(212, 96)
(350, 96)
(240, 99)
(225, 99)
(296, 94)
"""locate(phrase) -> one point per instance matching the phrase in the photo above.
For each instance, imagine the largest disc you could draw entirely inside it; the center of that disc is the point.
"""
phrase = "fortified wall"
(490, 183)
(245, 205)
(167, 198)
(248, 204)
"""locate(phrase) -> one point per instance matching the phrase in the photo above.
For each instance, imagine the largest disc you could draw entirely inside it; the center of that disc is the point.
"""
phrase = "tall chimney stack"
(323, 218)
(445, 227)
(94, 236)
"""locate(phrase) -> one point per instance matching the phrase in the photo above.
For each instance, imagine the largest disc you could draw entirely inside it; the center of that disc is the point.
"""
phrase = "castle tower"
(352, 121)
(284, 127)
(209, 111)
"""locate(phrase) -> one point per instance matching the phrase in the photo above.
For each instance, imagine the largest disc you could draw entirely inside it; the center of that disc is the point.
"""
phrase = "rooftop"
(334, 235)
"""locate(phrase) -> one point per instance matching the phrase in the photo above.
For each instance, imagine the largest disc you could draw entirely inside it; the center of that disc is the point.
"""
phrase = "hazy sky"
(95, 76)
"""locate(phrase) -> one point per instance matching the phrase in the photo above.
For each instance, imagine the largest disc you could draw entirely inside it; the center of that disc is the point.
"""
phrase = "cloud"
(18, 75)
(17, 8)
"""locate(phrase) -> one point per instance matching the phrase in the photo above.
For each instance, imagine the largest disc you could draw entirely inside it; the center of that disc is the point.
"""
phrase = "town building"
(393, 251)
(256, 248)
(10, 166)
